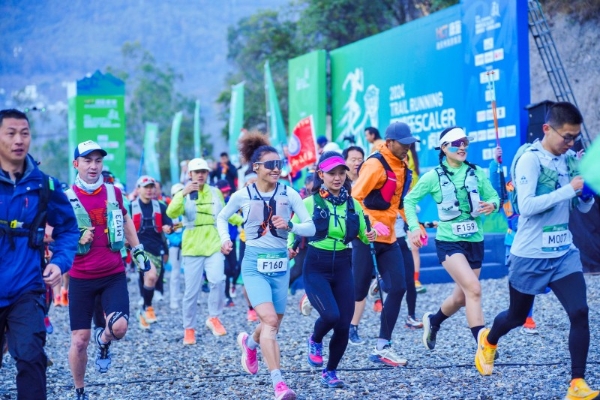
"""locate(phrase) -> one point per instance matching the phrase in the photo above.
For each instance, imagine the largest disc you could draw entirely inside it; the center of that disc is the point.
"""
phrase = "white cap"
(87, 147)
(332, 146)
(176, 188)
(145, 180)
(198, 164)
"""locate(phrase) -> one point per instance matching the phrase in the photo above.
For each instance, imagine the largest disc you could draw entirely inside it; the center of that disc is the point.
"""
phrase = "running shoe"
(315, 353)
(305, 306)
(579, 389)
(81, 396)
(189, 336)
(413, 323)
(252, 317)
(205, 287)
(58, 301)
(529, 327)
(215, 326)
(420, 288)
(64, 294)
(282, 392)
(229, 303)
(374, 290)
(354, 339)
(48, 325)
(232, 292)
(485, 355)
(378, 306)
(429, 333)
(149, 315)
(143, 323)
(103, 354)
(249, 361)
(330, 380)
(387, 357)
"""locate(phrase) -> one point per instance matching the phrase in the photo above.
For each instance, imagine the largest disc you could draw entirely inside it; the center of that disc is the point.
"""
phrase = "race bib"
(272, 263)
(117, 220)
(556, 238)
(465, 228)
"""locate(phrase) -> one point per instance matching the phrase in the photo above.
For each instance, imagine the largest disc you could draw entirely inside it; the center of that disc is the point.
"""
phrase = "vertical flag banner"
(197, 142)
(236, 120)
(276, 126)
(150, 157)
(97, 112)
(174, 157)
(302, 148)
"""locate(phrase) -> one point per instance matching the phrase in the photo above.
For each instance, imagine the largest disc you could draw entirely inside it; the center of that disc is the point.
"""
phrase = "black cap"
(400, 132)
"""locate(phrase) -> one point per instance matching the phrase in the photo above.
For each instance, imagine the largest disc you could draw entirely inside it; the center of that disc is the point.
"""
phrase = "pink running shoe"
(249, 361)
(282, 392)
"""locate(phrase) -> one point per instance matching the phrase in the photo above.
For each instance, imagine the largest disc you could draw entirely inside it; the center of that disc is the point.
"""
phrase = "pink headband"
(332, 162)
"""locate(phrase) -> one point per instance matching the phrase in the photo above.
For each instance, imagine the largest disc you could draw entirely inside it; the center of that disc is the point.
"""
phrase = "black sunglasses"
(272, 164)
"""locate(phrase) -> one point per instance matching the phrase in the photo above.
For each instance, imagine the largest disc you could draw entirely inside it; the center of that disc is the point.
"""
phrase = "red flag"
(301, 147)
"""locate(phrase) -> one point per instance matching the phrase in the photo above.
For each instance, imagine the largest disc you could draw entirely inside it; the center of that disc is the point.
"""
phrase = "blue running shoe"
(329, 379)
(354, 338)
(103, 355)
(315, 353)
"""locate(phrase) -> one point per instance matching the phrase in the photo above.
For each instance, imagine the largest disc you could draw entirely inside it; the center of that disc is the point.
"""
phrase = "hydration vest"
(548, 179)
(448, 208)
(321, 216)
(380, 199)
(191, 209)
(258, 222)
(114, 220)
(138, 217)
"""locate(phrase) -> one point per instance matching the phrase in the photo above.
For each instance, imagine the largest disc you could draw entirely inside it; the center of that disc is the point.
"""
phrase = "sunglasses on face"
(272, 164)
(459, 142)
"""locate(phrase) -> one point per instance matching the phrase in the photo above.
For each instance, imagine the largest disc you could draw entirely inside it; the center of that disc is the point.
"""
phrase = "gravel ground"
(154, 364)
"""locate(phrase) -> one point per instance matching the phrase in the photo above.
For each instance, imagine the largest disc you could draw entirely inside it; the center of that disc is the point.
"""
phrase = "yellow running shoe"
(580, 390)
(484, 357)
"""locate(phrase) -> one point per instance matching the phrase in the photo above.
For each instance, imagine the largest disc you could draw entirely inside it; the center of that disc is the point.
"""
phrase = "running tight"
(329, 286)
(571, 292)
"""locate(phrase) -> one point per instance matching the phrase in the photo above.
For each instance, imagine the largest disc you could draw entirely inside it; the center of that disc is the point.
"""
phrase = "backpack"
(380, 199)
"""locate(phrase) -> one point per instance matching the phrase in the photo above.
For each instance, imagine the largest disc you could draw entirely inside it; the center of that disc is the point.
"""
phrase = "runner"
(548, 187)
(200, 204)
(24, 280)
(151, 224)
(98, 269)
(382, 183)
(266, 206)
(463, 193)
(327, 268)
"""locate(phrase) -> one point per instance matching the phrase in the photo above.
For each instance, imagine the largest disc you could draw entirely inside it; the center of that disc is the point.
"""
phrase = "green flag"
(174, 158)
(236, 119)
(590, 166)
(197, 142)
(150, 156)
(275, 120)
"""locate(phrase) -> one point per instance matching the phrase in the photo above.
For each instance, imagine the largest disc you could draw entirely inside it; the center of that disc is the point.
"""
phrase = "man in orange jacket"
(383, 181)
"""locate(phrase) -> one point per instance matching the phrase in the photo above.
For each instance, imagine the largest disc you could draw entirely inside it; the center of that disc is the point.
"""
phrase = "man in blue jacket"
(28, 200)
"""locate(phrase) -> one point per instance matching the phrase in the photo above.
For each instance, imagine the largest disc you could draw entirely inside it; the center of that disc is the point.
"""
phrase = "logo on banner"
(354, 121)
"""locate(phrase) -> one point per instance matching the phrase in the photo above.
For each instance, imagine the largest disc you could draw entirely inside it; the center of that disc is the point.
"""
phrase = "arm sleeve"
(362, 230)
(306, 227)
(366, 182)
(527, 173)
(494, 175)
(421, 189)
(175, 208)
(66, 234)
(309, 204)
(232, 207)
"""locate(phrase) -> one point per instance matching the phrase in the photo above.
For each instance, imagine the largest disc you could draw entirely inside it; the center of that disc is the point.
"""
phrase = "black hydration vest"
(321, 217)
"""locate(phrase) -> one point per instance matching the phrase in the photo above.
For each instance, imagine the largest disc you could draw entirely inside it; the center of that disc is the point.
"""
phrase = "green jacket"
(200, 237)
(336, 230)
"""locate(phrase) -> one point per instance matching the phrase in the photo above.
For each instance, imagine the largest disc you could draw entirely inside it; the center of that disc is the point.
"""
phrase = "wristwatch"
(290, 225)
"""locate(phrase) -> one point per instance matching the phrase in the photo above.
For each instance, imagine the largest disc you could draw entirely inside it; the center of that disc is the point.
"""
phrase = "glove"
(381, 229)
(141, 259)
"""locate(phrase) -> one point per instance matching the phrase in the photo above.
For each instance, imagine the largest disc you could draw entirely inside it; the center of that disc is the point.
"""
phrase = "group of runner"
(359, 222)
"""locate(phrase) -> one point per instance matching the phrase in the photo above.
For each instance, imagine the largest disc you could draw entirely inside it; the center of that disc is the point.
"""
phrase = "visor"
(331, 163)
(452, 135)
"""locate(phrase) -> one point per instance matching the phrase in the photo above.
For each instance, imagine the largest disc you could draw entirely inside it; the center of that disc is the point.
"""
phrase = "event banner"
(302, 148)
(276, 126)
(174, 150)
(197, 136)
(433, 73)
(236, 120)
(150, 156)
(97, 112)
(307, 94)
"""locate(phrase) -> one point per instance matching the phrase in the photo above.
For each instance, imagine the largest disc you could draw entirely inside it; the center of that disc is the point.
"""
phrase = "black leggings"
(328, 281)
(391, 268)
(409, 275)
(571, 292)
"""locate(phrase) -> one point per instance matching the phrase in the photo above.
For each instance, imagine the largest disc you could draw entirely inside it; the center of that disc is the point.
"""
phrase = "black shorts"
(473, 251)
(82, 296)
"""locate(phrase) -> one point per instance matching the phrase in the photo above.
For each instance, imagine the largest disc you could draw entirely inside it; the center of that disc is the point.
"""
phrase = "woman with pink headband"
(327, 269)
